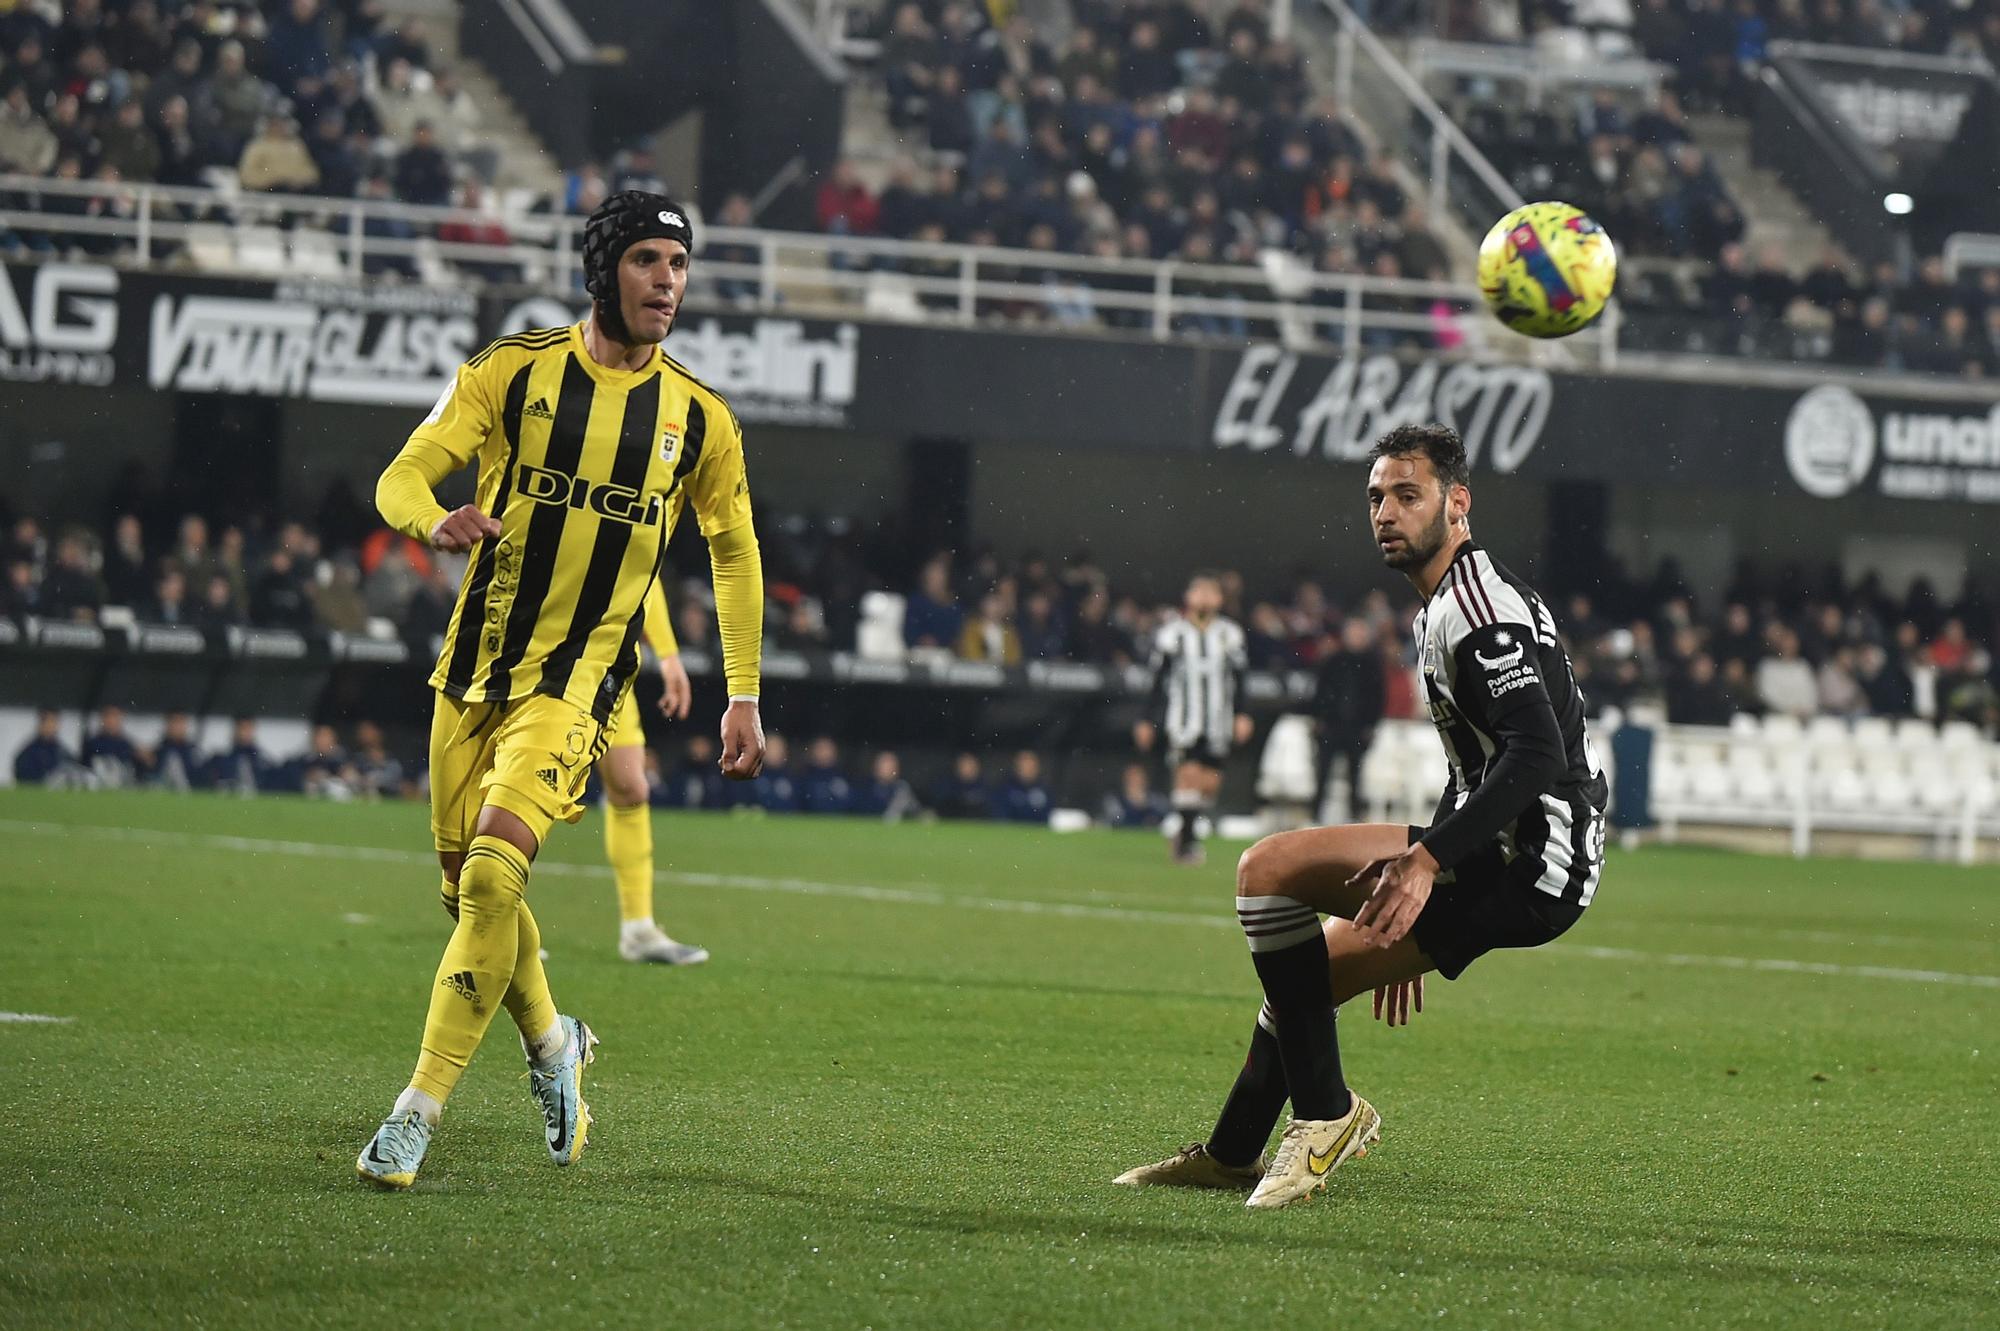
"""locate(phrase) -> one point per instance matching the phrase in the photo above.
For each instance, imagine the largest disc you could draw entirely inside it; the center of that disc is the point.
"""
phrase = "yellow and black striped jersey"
(586, 468)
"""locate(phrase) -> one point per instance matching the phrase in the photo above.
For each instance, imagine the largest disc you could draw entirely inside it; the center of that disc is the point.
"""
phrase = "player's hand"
(1142, 736)
(1402, 884)
(678, 696)
(462, 528)
(1245, 727)
(742, 742)
(1393, 1002)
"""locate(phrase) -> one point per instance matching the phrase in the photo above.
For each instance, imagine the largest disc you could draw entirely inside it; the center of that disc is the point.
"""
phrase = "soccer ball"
(1546, 269)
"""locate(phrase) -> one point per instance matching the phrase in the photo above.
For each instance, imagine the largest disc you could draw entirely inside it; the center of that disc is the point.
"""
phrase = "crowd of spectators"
(1782, 641)
(1711, 47)
(1640, 171)
(319, 97)
(253, 575)
(1166, 130)
(111, 758)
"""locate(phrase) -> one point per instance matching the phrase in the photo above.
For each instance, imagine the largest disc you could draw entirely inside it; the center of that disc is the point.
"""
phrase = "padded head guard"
(622, 220)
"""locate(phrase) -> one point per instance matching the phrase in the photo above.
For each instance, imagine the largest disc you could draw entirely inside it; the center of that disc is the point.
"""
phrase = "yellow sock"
(628, 844)
(528, 1000)
(478, 965)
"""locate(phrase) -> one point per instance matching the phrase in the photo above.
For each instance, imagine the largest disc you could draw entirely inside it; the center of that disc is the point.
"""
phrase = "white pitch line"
(1781, 964)
(33, 1019)
(925, 897)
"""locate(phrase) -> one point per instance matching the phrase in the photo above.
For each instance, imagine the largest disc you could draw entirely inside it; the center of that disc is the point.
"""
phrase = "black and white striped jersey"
(1501, 692)
(1196, 672)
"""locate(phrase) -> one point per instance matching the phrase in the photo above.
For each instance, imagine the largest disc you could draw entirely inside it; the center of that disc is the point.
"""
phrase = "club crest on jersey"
(670, 442)
(1505, 659)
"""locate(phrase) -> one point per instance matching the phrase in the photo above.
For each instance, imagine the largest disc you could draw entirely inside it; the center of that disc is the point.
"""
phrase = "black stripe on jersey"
(1580, 819)
(697, 435)
(535, 339)
(1468, 600)
(686, 374)
(637, 437)
(472, 610)
(626, 663)
(545, 527)
(1476, 586)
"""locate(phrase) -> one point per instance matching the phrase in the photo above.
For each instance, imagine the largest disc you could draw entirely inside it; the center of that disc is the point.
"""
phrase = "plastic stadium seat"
(1959, 735)
(1827, 732)
(1849, 789)
(1745, 724)
(1913, 732)
(1938, 795)
(1285, 770)
(316, 254)
(211, 247)
(879, 636)
(1780, 728)
(1709, 784)
(890, 296)
(1873, 732)
(1673, 781)
(261, 249)
(1381, 780)
(1890, 790)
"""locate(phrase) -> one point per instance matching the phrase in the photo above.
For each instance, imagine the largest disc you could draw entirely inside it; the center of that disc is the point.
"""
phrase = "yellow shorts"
(626, 730)
(530, 756)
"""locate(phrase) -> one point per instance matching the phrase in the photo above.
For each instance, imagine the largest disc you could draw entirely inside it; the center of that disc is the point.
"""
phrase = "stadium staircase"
(1776, 217)
(524, 164)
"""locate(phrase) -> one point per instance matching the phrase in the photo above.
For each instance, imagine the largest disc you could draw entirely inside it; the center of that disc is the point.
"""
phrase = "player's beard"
(1418, 550)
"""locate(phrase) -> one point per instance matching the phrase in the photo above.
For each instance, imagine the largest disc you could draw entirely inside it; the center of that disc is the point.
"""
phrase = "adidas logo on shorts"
(549, 777)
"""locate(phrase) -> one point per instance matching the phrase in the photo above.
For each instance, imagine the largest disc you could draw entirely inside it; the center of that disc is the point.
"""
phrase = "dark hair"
(1205, 575)
(1439, 443)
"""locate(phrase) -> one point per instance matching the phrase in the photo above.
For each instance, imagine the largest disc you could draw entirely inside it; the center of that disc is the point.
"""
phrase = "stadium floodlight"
(1898, 204)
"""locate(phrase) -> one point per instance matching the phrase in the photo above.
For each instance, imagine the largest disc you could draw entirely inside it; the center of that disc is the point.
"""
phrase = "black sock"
(1289, 952)
(1189, 835)
(1254, 1102)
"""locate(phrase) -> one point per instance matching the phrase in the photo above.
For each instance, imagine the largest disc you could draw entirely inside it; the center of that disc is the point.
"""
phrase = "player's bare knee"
(1257, 869)
(451, 861)
(625, 794)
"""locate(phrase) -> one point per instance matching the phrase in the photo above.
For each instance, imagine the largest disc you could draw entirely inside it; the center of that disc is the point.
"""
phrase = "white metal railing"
(1534, 70)
(1970, 249)
(1448, 143)
(305, 236)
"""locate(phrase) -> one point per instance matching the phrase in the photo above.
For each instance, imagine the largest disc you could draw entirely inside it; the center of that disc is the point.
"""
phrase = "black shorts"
(1201, 753)
(1486, 903)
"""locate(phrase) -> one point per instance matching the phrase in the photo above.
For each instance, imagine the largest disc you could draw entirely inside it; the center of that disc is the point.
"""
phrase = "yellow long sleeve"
(404, 495)
(738, 568)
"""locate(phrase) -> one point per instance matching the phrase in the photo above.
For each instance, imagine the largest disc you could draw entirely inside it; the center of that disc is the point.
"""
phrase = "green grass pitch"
(1743, 1092)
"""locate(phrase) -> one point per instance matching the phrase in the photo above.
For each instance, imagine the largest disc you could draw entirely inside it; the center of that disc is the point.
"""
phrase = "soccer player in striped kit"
(1197, 663)
(1510, 859)
(590, 442)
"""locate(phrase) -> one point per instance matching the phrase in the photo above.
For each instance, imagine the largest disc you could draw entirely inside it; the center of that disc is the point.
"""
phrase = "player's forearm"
(404, 495)
(1527, 766)
(738, 569)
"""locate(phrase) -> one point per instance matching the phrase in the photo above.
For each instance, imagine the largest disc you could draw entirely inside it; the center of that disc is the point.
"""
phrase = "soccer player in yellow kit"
(590, 440)
(628, 822)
